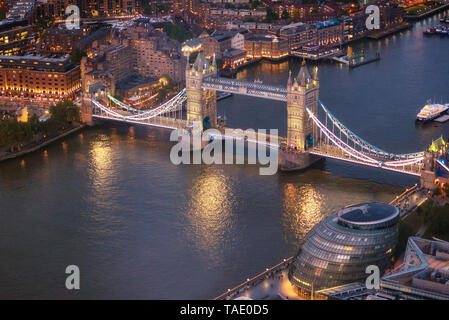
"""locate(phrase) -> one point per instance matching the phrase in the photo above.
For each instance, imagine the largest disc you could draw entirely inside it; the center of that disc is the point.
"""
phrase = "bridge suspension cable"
(365, 155)
(171, 105)
(364, 145)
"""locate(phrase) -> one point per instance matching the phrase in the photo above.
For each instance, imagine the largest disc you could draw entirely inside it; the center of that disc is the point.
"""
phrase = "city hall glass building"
(338, 249)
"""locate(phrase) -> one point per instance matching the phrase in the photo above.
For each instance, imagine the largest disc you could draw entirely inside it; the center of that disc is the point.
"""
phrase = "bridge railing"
(251, 282)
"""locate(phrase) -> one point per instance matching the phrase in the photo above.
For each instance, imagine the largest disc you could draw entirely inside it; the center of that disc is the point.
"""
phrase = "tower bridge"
(246, 88)
(309, 136)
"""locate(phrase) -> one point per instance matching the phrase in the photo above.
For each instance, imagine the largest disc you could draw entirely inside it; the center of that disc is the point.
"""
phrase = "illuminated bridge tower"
(302, 91)
(302, 134)
(201, 103)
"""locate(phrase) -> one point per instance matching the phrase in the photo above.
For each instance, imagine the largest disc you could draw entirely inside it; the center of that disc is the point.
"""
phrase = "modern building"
(423, 275)
(338, 249)
(38, 80)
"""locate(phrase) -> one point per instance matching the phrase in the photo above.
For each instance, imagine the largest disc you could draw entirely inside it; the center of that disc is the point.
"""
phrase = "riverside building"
(38, 80)
(338, 249)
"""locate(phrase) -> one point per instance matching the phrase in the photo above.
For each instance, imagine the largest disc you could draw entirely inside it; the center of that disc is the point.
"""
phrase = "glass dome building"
(338, 249)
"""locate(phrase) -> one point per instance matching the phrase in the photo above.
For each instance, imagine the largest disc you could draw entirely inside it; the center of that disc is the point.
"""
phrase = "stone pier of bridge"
(302, 91)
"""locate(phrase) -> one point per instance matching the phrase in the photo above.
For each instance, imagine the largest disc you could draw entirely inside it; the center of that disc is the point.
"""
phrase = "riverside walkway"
(273, 283)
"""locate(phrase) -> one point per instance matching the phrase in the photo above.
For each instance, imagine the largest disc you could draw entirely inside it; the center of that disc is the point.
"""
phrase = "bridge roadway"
(253, 89)
(160, 122)
(173, 124)
(334, 152)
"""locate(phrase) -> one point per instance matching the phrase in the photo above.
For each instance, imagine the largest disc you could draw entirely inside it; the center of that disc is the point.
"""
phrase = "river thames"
(109, 200)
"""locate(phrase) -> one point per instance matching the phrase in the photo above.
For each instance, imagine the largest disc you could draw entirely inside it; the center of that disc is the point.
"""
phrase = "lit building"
(338, 249)
(41, 80)
(233, 58)
(217, 44)
(16, 37)
(192, 6)
(297, 34)
(133, 60)
(329, 32)
(21, 9)
(193, 45)
(60, 40)
(423, 275)
(307, 12)
(220, 41)
(354, 27)
(425, 271)
(109, 65)
(266, 46)
(154, 53)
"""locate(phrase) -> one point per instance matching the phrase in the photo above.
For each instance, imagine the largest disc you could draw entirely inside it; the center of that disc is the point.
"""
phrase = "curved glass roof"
(367, 213)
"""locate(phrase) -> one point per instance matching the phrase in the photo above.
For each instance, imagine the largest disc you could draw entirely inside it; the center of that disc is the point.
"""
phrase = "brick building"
(41, 80)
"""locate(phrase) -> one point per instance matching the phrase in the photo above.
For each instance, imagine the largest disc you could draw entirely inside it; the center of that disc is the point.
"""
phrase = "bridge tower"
(301, 91)
(86, 109)
(201, 103)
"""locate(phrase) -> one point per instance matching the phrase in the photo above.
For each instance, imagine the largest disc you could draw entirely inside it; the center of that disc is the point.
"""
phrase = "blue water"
(109, 200)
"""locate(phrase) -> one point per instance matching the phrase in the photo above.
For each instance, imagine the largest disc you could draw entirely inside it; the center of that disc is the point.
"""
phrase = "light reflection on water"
(140, 227)
(302, 209)
(210, 212)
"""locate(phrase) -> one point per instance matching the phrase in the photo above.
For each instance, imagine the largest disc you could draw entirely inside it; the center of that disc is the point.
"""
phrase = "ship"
(430, 111)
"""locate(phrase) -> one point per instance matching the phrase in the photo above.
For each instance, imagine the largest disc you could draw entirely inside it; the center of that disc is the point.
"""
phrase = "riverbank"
(34, 147)
(426, 14)
(273, 283)
(385, 33)
(231, 72)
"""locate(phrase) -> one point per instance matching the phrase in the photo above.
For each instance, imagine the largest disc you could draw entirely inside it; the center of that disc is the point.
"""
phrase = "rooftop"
(367, 213)
(327, 24)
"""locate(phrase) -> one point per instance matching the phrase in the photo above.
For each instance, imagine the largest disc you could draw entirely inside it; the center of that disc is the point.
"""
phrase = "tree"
(405, 231)
(41, 25)
(436, 191)
(177, 33)
(162, 94)
(271, 15)
(256, 4)
(285, 15)
(64, 113)
(76, 55)
(167, 82)
(193, 56)
(3, 11)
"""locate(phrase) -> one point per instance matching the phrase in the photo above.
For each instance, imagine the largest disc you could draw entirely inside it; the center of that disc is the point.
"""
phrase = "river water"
(109, 200)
